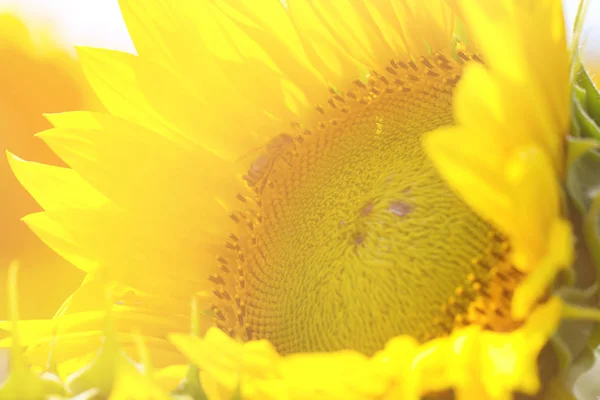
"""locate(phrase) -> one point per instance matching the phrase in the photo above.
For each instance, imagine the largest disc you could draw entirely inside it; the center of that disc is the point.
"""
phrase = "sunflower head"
(348, 236)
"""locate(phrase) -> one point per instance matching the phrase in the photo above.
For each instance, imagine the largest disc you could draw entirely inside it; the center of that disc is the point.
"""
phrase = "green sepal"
(100, 373)
(585, 103)
(563, 354)
(575, 334)
(569, 341)
(592, 98)
(21, 382)
(24, 384)
(577, 296)
(583, 186)
(591, 230)
(191, 385)
(580, 95)
(587, 126)
(594, 340)
(576, 146)
(582, 178)
(92, 394)
(575, 128)
(571, 346)
(237, 393)
(557, 389)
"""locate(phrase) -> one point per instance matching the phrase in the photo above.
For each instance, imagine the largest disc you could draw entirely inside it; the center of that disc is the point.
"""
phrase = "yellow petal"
(493, 364)
(130, 384)
(101, 156)
(56, 187)
(323, 49)
(534, 187)
(87, 238)
(427, 26)
(217, 354)
(479, 180)
(540, 96)
(559, 256)
(113, 79)
(354, 30)
(60, 240)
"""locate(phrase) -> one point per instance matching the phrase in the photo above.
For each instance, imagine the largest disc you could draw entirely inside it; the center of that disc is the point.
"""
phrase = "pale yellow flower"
(273, 162)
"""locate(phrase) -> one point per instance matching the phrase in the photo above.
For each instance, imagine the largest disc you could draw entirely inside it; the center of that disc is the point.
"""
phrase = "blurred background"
(39, 74)
(98, 23)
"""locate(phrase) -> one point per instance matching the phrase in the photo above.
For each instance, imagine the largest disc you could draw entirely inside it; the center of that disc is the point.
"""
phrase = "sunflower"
(363, 198)
(36, 76)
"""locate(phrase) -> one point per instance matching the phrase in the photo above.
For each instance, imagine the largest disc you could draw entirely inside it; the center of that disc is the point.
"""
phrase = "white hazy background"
(98, 23)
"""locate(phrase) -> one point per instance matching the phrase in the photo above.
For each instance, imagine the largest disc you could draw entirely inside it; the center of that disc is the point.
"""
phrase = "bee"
(275, 149)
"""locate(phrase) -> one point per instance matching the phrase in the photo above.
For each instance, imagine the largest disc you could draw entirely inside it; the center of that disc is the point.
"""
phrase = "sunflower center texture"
(353, 237)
